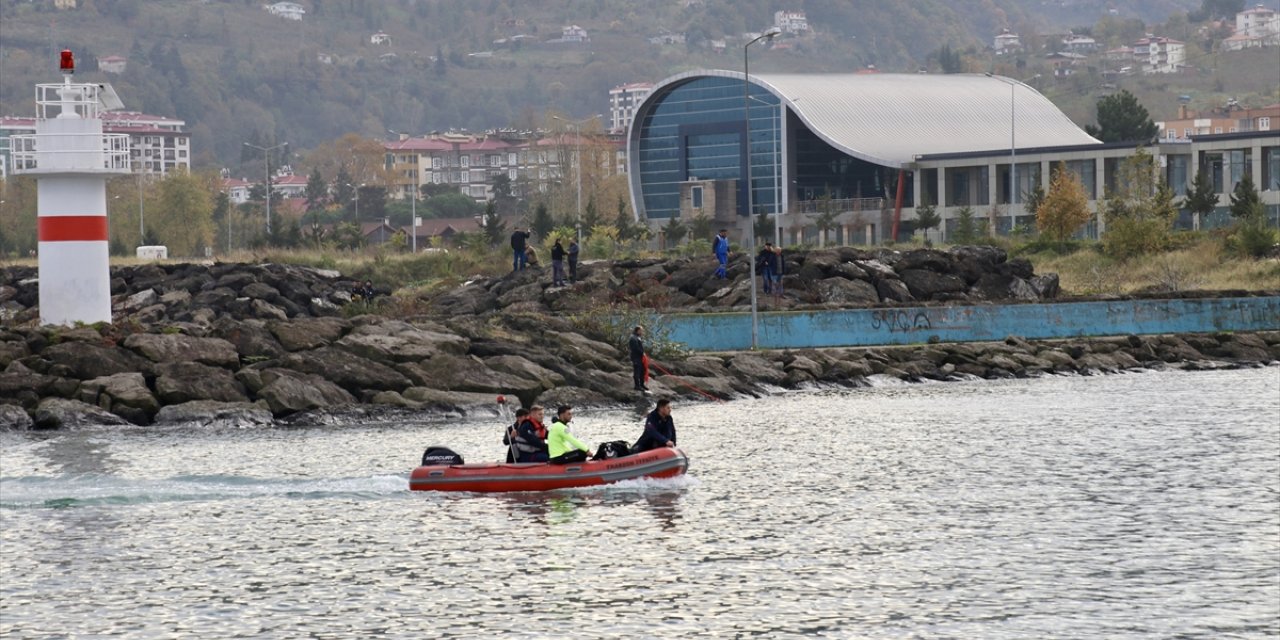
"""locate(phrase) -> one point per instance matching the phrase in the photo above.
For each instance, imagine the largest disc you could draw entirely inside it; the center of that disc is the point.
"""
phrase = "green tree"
(968, 230)
(451, 205)
(542, 223)
(927, 217)
(674, 231)
(949, 60)
(627, 228)
(590, 216)
(1065, 208)
(1121, 118)
(1202, 199)
(700, 227)
(1032, 200)
(1244, 199)
(495, 229)
(317, 192)
(1140, 209)
(184, 218)
(825, 218)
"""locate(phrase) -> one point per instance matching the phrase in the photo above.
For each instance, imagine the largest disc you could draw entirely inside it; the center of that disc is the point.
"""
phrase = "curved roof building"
(847, 137)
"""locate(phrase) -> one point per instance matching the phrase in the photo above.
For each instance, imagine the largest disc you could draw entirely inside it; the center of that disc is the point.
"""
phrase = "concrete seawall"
(914, 325)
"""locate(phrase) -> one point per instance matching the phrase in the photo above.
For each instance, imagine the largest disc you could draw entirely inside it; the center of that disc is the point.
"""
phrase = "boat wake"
(97, 490)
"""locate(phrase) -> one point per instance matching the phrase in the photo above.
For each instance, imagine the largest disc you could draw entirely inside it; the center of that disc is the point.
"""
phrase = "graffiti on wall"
(900, 320)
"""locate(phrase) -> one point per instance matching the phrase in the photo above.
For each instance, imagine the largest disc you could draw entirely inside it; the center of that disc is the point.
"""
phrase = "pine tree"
(966, 231)
(927, 218)
(1202, 199)
(1244, 199)
(1121, 118)
(542, 223)
(317, 192)
(495, 230)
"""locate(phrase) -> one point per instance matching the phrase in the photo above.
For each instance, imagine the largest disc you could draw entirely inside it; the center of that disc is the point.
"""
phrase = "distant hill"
(237, 73)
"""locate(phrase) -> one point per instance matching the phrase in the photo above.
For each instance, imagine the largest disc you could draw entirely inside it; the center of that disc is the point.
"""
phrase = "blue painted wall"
(912, 325)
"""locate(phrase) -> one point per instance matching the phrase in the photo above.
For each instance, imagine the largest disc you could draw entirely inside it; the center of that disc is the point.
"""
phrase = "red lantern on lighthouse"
(67, 62)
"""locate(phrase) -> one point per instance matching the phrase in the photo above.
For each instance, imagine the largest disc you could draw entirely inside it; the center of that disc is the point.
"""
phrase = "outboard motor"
(440, 456)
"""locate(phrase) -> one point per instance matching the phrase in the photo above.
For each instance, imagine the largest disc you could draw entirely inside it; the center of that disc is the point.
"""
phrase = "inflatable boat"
(664, 462)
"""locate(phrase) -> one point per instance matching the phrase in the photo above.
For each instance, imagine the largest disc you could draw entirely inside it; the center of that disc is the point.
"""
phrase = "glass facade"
(821, 170)
(696, 131)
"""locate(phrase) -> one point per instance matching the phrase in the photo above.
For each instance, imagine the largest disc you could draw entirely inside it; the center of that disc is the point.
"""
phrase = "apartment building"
(1231, 118)
(157, 145)
(623, 100)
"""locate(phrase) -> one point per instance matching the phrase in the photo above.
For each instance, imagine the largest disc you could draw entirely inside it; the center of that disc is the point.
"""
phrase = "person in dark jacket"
(659, 429)
(531, 437)
(519, 240)
(557, 264)
(573, 261)
(509, 437)
(635, 347)
(767, 263)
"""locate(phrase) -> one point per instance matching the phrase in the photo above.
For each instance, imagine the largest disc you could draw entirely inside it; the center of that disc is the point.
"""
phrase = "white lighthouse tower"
(72, 159)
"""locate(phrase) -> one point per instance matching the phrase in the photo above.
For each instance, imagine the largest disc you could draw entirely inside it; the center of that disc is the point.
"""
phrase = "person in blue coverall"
(721, 246)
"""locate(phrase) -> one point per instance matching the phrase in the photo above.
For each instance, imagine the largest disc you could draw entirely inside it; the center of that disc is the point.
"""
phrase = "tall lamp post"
(577, 154)
(751, 222)
(1013, 147)
(266, 170)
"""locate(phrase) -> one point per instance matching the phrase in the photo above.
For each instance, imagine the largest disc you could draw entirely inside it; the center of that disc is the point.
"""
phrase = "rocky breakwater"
(259, 344)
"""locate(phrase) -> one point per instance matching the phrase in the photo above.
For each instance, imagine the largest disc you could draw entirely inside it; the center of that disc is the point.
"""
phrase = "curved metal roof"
(891, 118)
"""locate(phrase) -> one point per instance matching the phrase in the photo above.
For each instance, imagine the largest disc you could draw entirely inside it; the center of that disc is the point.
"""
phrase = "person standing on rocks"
(573, 261)
(519, 240)
(766, 262)
(557, 264)
(720, 244)
(639, 360)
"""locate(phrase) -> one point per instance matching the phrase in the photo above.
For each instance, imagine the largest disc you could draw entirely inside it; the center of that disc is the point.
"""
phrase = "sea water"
(1143, 505)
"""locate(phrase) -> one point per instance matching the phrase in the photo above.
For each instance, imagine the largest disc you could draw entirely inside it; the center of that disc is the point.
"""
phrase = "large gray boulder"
(526, 369)
(925, 284)
(467, 373)
(181, 348)
(303, 334)
(14, 418)
(754, 368)
(347, 370)
(179, 382)
(287, 392)
(86, 360)
(61, 413)
(395, 341)
(461, 401)
(250, 337)
(120, 389)
(211, 413)
(842, 291)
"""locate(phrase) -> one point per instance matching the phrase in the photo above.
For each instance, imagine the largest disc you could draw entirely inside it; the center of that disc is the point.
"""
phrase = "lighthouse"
(72, 159)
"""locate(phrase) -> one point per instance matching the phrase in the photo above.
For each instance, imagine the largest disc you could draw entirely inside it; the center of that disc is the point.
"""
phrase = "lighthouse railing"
(25, 155)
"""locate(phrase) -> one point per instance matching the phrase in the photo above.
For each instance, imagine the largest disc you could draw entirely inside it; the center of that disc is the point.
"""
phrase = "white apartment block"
(1006, 41)
(471, 163)
(793, 22)
(1256, 27)
(157, 145)
(1159, 55)
(286, 10)
(623, 100)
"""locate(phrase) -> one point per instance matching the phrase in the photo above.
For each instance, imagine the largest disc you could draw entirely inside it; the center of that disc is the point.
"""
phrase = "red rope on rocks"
(683, 382)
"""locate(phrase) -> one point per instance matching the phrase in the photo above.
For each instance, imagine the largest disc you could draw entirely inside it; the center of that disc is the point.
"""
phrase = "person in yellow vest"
(561, 445)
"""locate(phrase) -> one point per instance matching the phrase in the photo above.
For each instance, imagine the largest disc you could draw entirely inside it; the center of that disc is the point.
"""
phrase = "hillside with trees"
(236, 73)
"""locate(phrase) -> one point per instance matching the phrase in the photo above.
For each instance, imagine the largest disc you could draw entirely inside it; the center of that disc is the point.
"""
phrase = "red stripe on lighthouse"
(73, 228)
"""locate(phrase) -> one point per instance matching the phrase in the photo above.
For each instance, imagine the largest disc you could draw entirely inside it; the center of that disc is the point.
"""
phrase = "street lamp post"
(577, 154)
(751, 222)
(1013, 147)
(266, 169)
(142, 233)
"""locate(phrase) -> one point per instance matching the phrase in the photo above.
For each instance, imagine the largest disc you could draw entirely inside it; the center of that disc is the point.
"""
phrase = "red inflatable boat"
(664, 462)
